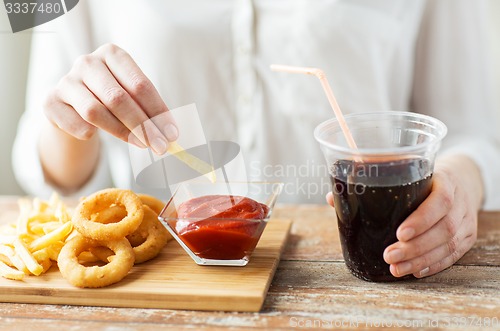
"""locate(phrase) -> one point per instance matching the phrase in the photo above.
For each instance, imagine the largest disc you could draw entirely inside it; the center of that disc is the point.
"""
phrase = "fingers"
(132, 79)
(440, 240)
(67, 119)
(128, 74)
(442, 256)
(449, 260)
(107, 90)
(111, 94)
(91, 110)
(329, 198)
(443, 232)
(435, 207)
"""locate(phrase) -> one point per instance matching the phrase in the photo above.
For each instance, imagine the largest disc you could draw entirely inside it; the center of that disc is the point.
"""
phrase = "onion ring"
(152, 202)
(95, 276)
(82, 217)
(113, 214)
(102, 253)
(87, 257)
(149, 239)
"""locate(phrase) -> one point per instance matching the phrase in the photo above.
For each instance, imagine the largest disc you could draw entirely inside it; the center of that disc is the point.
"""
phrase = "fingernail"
(159, 145)
(394, 256)
(406, 234)
(135, 141)
(138, 144)
(403, 268)
(171, 132)
(424, 272)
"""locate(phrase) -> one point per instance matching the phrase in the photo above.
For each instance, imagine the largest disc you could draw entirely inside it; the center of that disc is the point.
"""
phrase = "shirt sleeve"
(54, 47)
(453, 83)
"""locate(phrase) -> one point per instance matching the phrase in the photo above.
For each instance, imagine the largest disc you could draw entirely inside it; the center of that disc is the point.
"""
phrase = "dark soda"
(371, 201)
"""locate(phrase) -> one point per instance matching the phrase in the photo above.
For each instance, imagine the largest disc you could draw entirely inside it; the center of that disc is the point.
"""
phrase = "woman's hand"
(104, 90)
(107, 90)
(444, 226)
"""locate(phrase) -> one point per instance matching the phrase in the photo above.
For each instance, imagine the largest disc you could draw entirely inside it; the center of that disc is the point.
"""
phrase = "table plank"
(456, 290)
(337, 298)
(314, 234)
(486, 250)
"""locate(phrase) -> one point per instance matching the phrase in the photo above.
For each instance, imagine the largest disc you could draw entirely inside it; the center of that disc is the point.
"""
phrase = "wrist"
(67, 162)
(463, 171)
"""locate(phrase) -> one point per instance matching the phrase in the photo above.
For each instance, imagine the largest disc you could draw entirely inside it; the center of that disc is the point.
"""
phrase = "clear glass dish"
(220, 223)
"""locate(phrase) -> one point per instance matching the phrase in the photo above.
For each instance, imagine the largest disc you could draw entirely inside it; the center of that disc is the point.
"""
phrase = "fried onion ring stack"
(95, 276)
(115, 230)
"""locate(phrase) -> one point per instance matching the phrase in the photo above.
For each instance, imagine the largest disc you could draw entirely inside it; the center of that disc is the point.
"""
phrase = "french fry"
(5, 259)
(54, 249)
(26, 237)
(41, 229)
(40, 206)
(9, 272)
(39, 219)
(192, 161)
(7, 239)
(57, 235)
(19, 264)
(87, 257)
(24, 211)
(46, 264)
(43, 258)
(103, 253)
(9, 257)
(30, 244)
(31, 263)
(7, 250)
(61, 212)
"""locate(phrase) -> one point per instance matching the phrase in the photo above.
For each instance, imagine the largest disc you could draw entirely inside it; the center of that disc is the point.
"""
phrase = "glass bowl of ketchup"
(220, 223)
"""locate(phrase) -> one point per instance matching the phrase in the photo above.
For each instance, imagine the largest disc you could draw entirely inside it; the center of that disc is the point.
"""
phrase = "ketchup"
(228, 228)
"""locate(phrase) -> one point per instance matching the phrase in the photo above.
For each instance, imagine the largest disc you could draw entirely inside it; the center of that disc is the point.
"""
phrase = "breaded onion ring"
(112, 214)
(95, 276)
(97, 202)
(155, 234)
(147, 241)
(138, 237)
(152, 202)
(102, 253)
(87, 257)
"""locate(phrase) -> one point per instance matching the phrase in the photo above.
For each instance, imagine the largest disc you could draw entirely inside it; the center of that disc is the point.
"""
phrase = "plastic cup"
(379, 184)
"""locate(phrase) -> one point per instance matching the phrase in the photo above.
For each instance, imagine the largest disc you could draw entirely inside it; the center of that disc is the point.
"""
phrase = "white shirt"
(413, 55)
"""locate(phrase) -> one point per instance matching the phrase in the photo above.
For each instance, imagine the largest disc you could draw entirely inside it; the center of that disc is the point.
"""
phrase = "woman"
(105, 67)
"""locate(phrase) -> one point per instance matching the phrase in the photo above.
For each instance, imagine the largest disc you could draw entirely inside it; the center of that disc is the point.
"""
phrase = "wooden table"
(312, 288)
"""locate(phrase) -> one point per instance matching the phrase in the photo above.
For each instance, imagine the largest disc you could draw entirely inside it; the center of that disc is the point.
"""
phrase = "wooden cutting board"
(172, 280)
